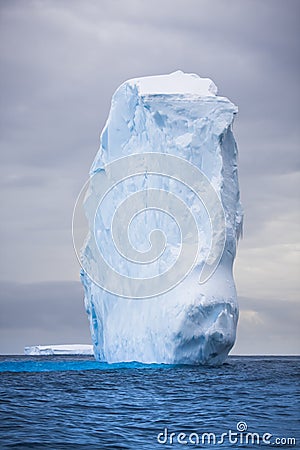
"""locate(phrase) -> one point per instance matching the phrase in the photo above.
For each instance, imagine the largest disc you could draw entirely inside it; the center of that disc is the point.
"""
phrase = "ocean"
(60, 402)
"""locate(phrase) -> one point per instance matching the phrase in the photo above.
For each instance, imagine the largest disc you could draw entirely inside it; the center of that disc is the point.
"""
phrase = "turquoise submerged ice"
(178, 114)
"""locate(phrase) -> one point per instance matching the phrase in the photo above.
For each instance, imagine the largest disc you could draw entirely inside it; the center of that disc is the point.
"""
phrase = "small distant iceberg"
(68, 349)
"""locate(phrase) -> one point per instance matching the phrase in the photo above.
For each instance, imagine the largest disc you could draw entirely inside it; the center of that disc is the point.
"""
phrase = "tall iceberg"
(142, 304)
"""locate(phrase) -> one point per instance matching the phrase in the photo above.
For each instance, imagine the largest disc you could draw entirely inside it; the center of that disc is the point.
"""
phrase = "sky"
(60, 64)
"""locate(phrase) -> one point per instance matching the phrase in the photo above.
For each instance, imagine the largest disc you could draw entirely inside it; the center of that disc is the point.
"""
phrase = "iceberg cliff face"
(142, 305)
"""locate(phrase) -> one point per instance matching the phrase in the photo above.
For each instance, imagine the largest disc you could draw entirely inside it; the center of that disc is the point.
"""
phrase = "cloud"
(270, 327)
(41, 313)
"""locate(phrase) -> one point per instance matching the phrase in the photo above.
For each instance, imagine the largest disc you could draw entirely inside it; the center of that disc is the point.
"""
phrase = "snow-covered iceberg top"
(174, 83)
(63, 349)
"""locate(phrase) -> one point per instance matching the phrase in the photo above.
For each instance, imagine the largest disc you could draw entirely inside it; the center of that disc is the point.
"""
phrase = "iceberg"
(62, 349)
(164, 218)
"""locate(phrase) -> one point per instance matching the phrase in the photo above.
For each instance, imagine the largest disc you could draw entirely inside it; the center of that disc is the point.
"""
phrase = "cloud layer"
(60, 63)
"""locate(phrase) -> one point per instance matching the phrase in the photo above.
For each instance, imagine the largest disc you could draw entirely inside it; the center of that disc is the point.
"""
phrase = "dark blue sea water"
(74, 402)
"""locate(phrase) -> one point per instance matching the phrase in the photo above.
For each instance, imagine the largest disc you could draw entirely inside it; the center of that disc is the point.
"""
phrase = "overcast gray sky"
(60, 63)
